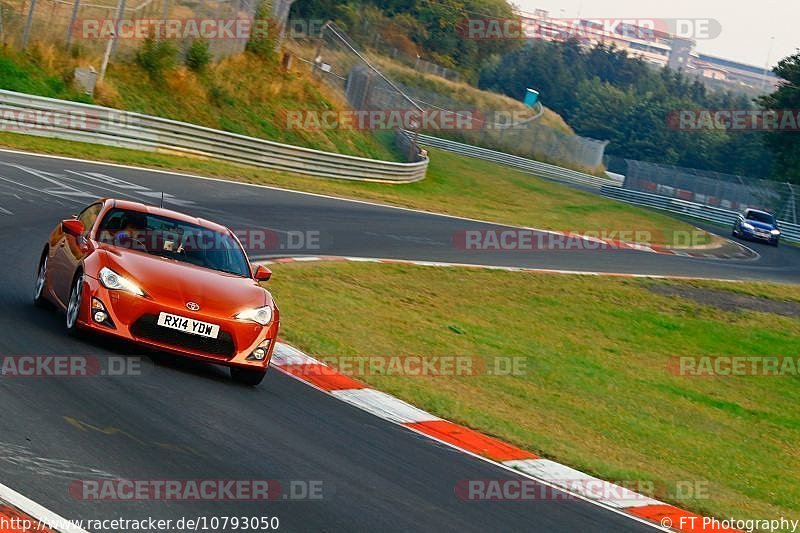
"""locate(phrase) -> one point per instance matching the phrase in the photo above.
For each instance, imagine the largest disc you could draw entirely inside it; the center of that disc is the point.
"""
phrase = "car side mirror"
(262, 273)
(73, 227)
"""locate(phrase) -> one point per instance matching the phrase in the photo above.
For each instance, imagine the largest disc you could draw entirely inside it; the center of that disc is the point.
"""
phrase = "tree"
(156, 56)
(785, 145)
(198, 56)
(604, 94)
(264, 37)
(436, 28)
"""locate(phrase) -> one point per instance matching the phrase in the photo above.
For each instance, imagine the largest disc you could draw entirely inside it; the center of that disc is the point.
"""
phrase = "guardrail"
(789, 232)
(61, 119)
(543, 170)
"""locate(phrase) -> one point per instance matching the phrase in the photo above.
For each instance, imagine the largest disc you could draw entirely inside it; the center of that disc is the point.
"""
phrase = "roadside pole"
(106, 56)
(26, 33)
(75, 7)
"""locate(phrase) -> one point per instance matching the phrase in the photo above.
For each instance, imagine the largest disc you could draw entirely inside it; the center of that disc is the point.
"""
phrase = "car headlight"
(776, 232)
(747, 225)
(115, 282)
(259, 315)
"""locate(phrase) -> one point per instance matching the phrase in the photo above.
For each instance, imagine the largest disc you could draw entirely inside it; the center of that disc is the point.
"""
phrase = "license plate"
(188, 325)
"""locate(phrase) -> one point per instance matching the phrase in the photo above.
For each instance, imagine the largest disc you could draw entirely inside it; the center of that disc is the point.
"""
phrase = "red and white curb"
(19, 514)
(743, 252)
(582, 486)
(340, 258)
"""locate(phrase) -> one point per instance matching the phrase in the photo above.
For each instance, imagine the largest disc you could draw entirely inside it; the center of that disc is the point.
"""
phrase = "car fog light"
(100, 313)
(261, 352)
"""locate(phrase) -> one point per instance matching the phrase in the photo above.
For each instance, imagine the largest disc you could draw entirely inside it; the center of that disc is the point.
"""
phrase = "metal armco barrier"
(611, 187)
(543, 170)
(789, 232)
(60, 119)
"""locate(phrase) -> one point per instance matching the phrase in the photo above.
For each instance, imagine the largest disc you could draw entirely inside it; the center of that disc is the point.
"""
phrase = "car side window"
(88, 217)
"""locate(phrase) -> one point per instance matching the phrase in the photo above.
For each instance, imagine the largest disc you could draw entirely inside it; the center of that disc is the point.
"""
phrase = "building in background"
(659, 48)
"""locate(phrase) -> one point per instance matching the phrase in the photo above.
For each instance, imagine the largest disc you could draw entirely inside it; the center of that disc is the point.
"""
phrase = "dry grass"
(242, 94)
(467, 95)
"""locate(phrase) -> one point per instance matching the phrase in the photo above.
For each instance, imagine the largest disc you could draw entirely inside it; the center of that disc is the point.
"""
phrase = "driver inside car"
(133, 232)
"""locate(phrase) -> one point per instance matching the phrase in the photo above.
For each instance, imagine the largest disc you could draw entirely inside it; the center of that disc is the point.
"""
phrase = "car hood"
(760, 225)
(174, 283)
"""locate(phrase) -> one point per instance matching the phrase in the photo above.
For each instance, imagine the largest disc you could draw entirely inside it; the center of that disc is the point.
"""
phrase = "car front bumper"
(133, 318)
(756, 236)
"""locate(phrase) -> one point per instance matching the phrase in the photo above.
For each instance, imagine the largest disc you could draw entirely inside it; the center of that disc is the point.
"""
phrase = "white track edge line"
(37, 511)
(379, 260)
(318, 195)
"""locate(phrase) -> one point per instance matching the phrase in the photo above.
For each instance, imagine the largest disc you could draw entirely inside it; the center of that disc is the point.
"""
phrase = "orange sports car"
(164, 280)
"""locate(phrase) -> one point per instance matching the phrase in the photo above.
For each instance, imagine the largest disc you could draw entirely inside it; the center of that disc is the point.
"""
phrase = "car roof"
(160, 211)
(758, 211)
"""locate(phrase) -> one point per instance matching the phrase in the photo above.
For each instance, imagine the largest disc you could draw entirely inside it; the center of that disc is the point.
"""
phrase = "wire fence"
(86, 26)
(116, 29)
(357, 72)
(714, 189)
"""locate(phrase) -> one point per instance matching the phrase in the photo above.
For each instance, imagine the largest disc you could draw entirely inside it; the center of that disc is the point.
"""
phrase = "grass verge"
(244, 93)
(596, 392)
(455, 185)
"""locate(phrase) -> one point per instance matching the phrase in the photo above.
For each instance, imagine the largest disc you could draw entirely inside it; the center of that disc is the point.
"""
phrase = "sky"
(748, 28)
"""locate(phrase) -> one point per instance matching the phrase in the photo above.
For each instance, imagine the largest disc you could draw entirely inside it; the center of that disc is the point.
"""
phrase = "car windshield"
(760, 217)
(173, 239)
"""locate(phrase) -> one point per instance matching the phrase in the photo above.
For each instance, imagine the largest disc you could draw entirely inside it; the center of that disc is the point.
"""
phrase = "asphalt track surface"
(185, 420)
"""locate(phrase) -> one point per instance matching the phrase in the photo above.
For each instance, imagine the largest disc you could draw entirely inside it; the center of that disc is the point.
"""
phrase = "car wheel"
(248, 377)
(38, 296)
(74, 305)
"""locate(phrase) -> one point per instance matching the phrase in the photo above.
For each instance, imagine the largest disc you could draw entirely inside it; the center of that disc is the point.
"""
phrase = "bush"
(263, 40)
(198, 56)
(155, 56)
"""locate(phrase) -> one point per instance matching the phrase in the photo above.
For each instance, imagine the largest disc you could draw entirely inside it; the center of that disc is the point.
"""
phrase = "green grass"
(455, 185)
(249, 95)
(28, 77)
(596, 393)
(242, 94)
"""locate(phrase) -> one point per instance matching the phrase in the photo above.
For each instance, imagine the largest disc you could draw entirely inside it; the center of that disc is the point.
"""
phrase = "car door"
(70, 251)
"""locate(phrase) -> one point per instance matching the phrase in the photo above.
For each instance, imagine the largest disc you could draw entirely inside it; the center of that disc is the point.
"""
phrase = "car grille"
(147, 328)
